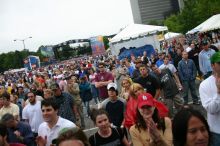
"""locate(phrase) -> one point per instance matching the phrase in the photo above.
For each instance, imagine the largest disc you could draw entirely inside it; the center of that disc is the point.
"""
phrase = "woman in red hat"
(152, 127)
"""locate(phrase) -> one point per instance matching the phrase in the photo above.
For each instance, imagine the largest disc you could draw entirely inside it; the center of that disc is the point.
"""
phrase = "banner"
(31, 62)
(97, 45)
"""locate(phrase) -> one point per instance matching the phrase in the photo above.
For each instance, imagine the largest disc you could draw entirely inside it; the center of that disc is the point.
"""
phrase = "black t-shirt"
(176, 60)
(115, 109)
(150, 83)
(136, 74)
(115, 139)
(194, 55)
(168, 83)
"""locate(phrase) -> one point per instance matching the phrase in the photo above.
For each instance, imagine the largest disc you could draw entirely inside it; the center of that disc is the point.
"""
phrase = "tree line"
(194, 13)
(15, 59)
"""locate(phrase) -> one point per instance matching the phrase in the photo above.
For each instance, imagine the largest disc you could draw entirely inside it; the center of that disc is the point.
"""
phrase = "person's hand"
(196, 54)
(77, 115)
(99, 84)
(152, 129)
(17, 133)
(41, 141)
(180, 87)
(102, 84)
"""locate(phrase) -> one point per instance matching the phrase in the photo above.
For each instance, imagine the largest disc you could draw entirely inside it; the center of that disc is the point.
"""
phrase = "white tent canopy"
(210, 24)
(171, 35)
(137, 30)
(136, 35)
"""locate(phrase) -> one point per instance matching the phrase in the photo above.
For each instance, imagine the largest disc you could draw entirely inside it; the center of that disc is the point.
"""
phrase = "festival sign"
(97, 45)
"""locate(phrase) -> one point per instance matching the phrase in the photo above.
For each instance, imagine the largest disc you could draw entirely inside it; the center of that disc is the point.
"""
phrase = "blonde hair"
(74, 78)
(49, 91)
(126, 79)
(133, 87)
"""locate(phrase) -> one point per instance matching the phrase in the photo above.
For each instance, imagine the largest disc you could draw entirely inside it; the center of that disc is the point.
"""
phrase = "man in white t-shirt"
(49, 130)
(209, 91)
(32, 113)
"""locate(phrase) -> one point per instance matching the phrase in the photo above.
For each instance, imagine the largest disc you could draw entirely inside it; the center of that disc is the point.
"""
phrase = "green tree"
(12, 60)
(2, 58)
(38, 53)
(155, 22)
(173, 23)
(106, 42)
(17, 59)
(193, 13)
(65, 52)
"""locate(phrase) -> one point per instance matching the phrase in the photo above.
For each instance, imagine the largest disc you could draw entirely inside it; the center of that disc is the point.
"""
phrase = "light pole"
(23, 40)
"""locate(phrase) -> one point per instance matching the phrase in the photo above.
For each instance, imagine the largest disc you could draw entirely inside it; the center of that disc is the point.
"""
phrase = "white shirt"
(33, 113)
(51, 134)
(170, 66)
(211, 102)
(188, 49)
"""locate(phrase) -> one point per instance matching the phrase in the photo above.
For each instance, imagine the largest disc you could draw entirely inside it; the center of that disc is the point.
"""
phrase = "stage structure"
(59, 48)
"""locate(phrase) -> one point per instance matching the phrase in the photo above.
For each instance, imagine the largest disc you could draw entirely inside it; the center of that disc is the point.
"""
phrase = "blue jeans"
(19, 104)
(86, 104)
(189, 85)
(215, 139)
(95, 93)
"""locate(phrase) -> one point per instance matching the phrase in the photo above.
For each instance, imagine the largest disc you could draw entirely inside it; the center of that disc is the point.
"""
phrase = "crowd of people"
(138, 99)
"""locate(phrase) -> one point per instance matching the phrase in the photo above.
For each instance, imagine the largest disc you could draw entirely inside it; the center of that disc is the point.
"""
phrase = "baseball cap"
(147, 99)
(112, 85)
(204, 42)
(215, 57)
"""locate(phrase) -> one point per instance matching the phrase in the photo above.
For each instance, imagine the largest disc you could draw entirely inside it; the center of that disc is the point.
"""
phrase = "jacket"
(187, 70)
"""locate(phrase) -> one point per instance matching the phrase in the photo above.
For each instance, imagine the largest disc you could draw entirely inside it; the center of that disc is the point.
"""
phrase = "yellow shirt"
(142, 137)
(9, 89)
(12, 109)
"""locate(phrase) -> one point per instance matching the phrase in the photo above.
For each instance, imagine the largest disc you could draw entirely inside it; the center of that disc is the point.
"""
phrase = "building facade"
(145, 11)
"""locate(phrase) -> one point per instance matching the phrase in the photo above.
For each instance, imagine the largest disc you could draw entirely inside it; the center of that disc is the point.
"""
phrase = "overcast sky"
(50, 22)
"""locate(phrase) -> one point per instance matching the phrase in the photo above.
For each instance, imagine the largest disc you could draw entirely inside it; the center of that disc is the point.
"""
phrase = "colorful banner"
(97, 45)
(32, 62)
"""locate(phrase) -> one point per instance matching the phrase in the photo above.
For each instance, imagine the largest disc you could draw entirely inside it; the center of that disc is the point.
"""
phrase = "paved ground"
(90, 127)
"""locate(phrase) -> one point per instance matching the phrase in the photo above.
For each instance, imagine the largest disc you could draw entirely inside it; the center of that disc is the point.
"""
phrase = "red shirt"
(102, 77)
(130, 113)
(89, 65)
